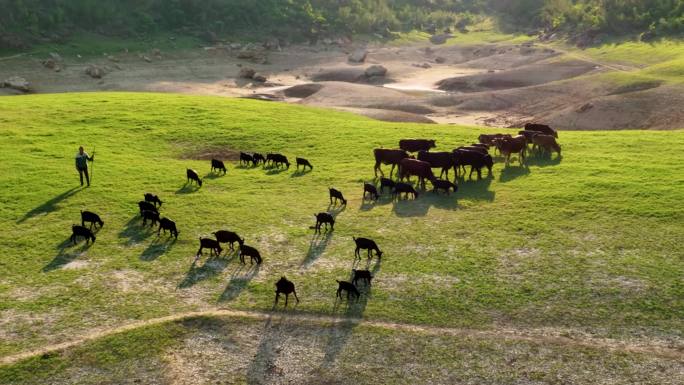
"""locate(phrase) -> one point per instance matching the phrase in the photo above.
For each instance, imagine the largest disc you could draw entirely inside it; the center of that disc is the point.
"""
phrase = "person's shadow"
(50, 205)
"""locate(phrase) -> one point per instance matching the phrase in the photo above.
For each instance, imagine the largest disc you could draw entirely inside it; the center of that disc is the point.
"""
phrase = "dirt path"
(523, 335)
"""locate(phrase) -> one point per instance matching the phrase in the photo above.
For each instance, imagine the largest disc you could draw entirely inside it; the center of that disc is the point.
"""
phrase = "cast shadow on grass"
(299, 173)
(66, 253)
(239, 279)
(262, 369)
(477, 190)
(367, 205)
(275, 170)
(211, 267)
(50, 205)
(543, 160)
(341, 332)
(188, 188)
(158, 247)
(318, 244)
(510, 172)
(135, 232)
(214, 175)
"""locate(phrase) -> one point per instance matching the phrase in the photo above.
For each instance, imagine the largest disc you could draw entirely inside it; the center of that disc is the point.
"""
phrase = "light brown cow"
(546, 143)
(516, 145)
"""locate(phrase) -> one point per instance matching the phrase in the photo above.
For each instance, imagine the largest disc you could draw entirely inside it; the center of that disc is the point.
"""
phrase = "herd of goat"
(542, 138)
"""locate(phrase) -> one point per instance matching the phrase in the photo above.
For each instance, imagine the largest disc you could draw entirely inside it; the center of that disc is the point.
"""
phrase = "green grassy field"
(586, 244)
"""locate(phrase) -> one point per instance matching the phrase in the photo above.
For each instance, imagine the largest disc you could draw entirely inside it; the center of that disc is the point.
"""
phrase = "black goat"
(224, 236)
(167, 224)
(146, 206)
(285, 287)
(363, 275)
(246, 158)
(258, 158)
(89, 216)
(218, 165)
(151, 198)
(371, 191)
(404, 188)
(367, 244)
(151, 216)
(386, 182)
(193, 177)
(337, 194)
(252, 253)
(279, 160)
(324, 218)
(349, 288)
(81, 231)
(304, 163)
(211, 244)
(440, 184)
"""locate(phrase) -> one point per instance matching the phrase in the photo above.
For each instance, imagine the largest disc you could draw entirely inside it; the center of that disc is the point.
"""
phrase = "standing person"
(82, 159)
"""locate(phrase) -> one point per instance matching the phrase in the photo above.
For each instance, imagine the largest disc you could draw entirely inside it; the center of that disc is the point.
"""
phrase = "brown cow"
(415, 145)
(489, 139)
(516, 145)
(546, 143)
(543, 128)
(422, 170)
(443, 160)
(387, 156)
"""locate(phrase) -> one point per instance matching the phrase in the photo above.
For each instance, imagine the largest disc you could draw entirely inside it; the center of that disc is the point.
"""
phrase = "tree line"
(314, 18)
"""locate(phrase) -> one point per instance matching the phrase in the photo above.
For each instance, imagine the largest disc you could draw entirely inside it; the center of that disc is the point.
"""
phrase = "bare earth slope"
(493, 84)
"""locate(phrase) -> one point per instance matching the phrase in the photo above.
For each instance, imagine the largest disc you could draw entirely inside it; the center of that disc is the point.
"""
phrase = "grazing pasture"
(589, 244)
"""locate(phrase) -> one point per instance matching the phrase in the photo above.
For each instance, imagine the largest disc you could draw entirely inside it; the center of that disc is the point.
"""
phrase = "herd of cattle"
(541, 137)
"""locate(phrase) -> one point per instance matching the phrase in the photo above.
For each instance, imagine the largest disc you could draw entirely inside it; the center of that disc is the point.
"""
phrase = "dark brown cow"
(387, 156)
(543, 128)
(415, 145)
(442, 160)
(474, 159)
(423, 170)
(546, 143)
(516, 145)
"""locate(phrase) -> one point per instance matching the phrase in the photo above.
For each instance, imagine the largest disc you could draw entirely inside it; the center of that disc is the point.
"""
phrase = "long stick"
(92, 164)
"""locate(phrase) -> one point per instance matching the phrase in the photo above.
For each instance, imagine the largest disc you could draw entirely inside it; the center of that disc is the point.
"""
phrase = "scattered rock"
(17, 83)
(156, 52)
(440, 60)
(272, 44)
(209, 36)
(235, 46)
(49, 63)
(585, 107)
(253, 53)
(146, 58)
(56, 57)
(358, 56)
(441, 38)
(112, 59)
(247, 73)
(423, 65)
(258, 77)
(375, 70)
(95, 71)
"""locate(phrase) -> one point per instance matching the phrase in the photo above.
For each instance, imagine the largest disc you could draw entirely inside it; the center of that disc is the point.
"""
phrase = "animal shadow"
(135, 232)
(157, 248)
(543, 160)
(187, 188)
(272, 170)
(214, 175)
(239, 279)
(66, 253)
(474, 189)
(318, 244)
(508, 173)
(299, 173)
(50, 205)
(210, 268)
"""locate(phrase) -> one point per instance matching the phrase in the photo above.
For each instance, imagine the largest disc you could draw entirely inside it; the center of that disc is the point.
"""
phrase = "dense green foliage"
(306, 19)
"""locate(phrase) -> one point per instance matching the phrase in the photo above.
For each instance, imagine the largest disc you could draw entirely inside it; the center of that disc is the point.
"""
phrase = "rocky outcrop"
(375, 71)
(17, 83)
(358, 56)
